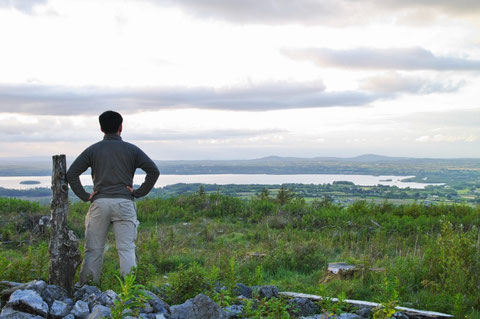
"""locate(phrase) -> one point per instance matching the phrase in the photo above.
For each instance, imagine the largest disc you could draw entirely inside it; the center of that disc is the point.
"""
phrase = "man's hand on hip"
(91, 195)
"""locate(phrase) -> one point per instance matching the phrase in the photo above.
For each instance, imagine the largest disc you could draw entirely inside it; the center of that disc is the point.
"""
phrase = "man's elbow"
(70, 176)
(156, 173)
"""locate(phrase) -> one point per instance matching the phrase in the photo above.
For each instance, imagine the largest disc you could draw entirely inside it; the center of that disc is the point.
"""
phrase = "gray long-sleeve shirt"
(113, 163)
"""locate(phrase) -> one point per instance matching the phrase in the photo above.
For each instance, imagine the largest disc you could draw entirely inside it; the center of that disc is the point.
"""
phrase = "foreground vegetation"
(428, 256)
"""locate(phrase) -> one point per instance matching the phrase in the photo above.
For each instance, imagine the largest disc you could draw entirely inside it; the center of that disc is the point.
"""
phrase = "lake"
(223, 179)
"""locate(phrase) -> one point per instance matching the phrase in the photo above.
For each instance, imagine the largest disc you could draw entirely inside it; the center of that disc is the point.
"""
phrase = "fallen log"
(408, 311)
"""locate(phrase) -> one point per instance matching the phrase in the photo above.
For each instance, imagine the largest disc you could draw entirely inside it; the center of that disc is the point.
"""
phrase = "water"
(223, 179)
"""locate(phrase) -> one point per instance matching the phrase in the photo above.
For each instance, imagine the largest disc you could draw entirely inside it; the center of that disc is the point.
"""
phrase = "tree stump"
(64, 253)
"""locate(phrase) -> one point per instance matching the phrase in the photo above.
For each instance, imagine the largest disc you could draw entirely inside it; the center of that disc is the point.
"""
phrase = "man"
(113, 163)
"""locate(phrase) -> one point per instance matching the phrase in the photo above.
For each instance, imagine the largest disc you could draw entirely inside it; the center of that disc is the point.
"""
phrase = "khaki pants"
(122, 214)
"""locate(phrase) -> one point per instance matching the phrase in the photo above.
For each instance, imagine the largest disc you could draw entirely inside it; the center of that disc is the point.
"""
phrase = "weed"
(130, 299)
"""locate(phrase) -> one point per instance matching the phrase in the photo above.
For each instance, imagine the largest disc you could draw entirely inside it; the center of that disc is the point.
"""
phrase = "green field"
(430, 254)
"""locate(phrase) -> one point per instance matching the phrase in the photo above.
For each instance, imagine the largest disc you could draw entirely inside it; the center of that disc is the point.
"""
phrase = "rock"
(337, 268)
(200, 307)
(158, 305)
(28, 301)
(37, 285)
(400, 315)
(6, 310)
(80, 309)
(52, 293)
(267, 292)
(107, 298)
(303, 307)
(59, 309)
(243, 290)
(219, 287)
(147, 308)
(234, 311)
(159, 316)
(321, 316)
(99, 312)
(9, 313)
(84, 292)
(69, 301)
(146, 316)
(364, 312)
(90, 294)
(69, 316)
(348, 316)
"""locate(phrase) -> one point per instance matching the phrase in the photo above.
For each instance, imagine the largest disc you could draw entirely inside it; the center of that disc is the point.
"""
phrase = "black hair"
(110, 122)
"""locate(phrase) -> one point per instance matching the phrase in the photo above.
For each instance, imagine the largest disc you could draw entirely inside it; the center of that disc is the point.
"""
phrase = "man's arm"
(148, 166)
(79, 166)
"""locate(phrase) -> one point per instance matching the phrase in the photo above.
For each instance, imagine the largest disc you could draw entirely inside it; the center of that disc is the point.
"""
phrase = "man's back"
(113, 163)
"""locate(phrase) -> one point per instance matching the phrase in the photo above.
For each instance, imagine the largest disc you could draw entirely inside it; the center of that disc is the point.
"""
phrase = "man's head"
(110, 122)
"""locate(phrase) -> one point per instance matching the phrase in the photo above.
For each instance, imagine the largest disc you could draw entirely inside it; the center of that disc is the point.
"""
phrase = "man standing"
(113, 163)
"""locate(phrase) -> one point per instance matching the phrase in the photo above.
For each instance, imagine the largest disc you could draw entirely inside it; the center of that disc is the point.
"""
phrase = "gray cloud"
(414, 58)
(40, 99)
(262, 12)
(166, 135)
(48, 129)
(394, 82)
(318, 12)
(446, 6)
(25, 6)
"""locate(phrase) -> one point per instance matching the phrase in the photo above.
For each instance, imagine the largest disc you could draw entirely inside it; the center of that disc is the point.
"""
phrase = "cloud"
(445, 6)
(54, 100)
(441, 138)
(167, 135)
(261, 12)
(52, 129)
(317, 12)
(394, 82)
(458, 119)
(413, 58)
(25, 6)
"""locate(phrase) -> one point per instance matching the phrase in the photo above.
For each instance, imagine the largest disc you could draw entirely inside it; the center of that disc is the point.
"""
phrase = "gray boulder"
(85, 293)
(59, 309)
(37, 285)
(99, 312)
(243, 290)
(51, 293)
(6, 311)
(267, 292)
(364, 312)
(200, 307)
(348, 316)
(69, 316)
(303, 307)
(28, 301)
(234, 311)
(400, 315)
(10, 313)
(107, 298)
(320, 316)
(159, 306)
(80, 309)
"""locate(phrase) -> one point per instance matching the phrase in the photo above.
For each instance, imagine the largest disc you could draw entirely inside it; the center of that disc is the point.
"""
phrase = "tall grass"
(432, 251)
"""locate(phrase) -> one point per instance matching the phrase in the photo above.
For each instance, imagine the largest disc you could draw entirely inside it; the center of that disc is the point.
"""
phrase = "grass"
(432, 251)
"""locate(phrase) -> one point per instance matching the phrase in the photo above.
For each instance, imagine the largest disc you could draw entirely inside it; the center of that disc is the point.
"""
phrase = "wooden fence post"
(64, 253)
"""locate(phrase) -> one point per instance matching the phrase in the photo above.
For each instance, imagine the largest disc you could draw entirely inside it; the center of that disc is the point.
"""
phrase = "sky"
(242, 79)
